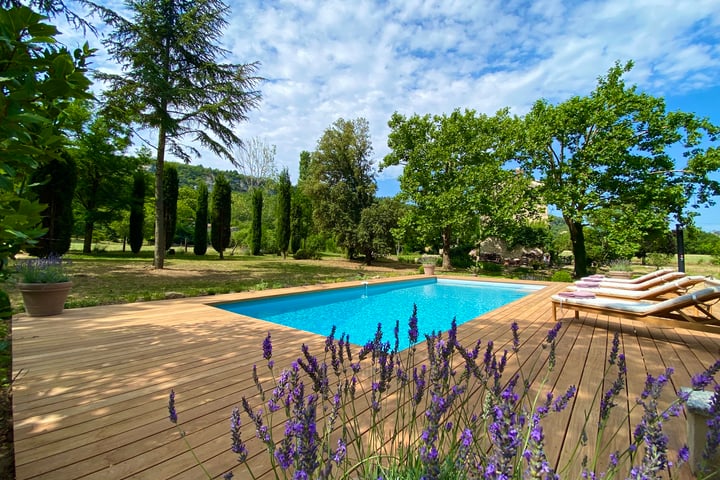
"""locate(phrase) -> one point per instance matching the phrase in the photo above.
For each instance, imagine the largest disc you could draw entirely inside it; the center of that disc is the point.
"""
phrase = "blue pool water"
(357, 311)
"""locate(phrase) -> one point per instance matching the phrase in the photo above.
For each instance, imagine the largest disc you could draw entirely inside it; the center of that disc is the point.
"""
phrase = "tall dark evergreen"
(256, 228)
(282, 231)
(137, 212)
(221, 200)
(170, 196)
(201, 221)
(55, 188)
(171, 81)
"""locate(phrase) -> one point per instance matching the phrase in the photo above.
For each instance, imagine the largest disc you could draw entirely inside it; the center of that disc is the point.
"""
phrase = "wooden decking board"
(100, 378)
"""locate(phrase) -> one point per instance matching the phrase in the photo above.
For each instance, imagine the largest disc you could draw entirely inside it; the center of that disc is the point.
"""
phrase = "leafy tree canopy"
(340, 180)
(453, 173)
(611, 148)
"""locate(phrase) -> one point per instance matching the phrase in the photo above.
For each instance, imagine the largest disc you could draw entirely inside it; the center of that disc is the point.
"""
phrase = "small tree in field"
(137, 212)
(56, 182)
(220, 215)
(201, 220)
(256, 231)
(283, 212)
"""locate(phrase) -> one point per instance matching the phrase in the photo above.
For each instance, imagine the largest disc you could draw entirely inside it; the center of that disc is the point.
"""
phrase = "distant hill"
(192, 175)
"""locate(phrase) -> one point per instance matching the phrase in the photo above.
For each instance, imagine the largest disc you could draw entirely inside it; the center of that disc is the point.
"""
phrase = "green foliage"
(453, 174)
(374, 233)
(55, 186)
(701, 242)
(660, 259)
(105, 173)
(491, 268)
(170, 199)
(220, 215)
(284, 210)
(303, 254)
(5, 310)
(561, 276)
(300, 218)
(180, 89)
(256, 228)
(610, 150)
(340, 180)
(40, 79)
(460, 256)
(137, 212)
(200, 237)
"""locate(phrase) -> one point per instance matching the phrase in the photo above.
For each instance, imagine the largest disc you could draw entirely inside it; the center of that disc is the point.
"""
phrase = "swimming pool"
(357, 310)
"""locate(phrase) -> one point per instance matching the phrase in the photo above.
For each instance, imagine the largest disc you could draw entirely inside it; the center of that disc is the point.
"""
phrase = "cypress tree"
(283, 212)
(220, 215)
(137, 212)
(201, 221)
(256, 229)
(56, 181)
(171, 187)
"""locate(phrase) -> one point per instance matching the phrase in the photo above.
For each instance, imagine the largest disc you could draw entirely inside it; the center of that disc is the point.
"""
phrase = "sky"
(331, 59)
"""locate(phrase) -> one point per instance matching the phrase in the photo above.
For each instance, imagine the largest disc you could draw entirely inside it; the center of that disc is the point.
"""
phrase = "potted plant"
(44, 284)
(428, 263)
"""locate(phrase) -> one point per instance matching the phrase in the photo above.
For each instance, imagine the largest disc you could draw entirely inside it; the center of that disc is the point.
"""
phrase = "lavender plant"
(377, 414)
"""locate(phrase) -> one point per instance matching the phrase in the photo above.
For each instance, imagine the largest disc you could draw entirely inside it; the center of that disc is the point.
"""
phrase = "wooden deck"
(91, 389)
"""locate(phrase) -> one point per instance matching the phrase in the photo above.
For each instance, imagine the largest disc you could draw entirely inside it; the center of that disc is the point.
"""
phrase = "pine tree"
(171, 81)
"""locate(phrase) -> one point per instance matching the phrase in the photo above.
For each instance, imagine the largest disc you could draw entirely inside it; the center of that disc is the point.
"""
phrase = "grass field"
(109, 275)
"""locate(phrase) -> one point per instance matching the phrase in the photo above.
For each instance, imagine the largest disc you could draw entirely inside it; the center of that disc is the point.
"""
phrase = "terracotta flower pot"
(429, 270)
(44, 299)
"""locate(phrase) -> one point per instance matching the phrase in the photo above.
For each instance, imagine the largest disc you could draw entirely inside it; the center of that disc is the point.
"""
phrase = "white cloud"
(330, 59)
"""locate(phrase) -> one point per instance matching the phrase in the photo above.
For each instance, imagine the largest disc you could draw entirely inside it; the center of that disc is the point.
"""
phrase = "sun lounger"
(677, 287)
(643, 278)
(702, 300)
(646, 285)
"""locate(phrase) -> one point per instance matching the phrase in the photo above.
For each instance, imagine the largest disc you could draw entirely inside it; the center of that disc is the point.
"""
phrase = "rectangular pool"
(357, 310)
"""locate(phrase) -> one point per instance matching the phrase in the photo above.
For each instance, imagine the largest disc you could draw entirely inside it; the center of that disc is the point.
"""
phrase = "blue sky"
(335, 58)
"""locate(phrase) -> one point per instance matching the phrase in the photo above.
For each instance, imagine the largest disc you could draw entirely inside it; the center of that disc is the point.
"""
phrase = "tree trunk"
(446, 237)
(159, 255)
(87, 241)
(577, 237)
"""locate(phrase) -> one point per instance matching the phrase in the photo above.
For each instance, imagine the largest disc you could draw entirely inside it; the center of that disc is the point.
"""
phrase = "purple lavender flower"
(683, 454)
(413, 326)
(171, 407)
(238, 446)
(516, 337)
(712, 443)
(228, 476)
(267, 347)
(615, 349)
(340, 452)
(705, 378)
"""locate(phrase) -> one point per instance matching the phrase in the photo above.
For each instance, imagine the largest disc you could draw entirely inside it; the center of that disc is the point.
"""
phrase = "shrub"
(491, 268)
(303, 254)
(561, 276)
(451, 435)
(659, 260)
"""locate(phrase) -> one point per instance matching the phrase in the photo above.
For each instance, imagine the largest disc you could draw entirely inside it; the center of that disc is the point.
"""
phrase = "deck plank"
(90, 400)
